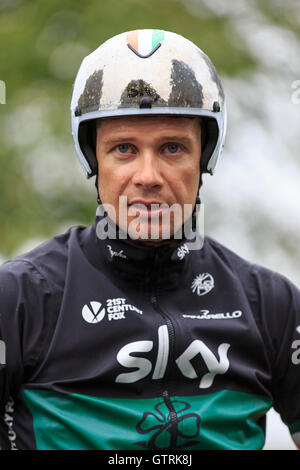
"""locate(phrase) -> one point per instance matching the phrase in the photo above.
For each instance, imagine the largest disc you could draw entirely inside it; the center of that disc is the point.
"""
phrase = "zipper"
(174, 421)
(170, 328)
(171, 333)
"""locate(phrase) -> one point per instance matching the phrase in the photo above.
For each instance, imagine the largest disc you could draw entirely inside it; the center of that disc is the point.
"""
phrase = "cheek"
(112, 183)
(187, 184)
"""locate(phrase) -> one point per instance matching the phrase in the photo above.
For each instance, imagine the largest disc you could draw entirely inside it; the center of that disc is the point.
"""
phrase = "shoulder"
(274, 303)
(274, 300)
(44, 265)
(31, 290)
(256, 278)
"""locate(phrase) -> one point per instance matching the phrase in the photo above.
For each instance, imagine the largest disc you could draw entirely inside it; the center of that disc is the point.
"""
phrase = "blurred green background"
(43, 189)
(251, 203)
(42, 45)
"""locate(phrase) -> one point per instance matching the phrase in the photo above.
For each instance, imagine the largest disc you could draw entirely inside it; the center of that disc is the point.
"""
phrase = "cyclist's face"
(149, 160)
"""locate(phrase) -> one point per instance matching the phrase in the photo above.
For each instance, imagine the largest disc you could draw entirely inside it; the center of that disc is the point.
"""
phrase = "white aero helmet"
(147, 72)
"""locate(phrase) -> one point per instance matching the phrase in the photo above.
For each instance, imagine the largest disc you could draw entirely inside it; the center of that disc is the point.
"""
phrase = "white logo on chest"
(203, 283)
(206, 315)
(184, 361)
(182, 251)
(93, 313)
(118, 254)
(116, 309)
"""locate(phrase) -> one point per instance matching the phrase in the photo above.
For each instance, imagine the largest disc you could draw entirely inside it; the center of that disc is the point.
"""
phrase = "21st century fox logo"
(116, 308)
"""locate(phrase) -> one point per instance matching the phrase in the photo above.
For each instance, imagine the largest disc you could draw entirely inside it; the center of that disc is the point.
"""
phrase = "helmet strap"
(97, 189)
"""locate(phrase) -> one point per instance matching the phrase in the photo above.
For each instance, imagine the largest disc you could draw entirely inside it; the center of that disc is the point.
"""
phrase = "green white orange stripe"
(144, 41)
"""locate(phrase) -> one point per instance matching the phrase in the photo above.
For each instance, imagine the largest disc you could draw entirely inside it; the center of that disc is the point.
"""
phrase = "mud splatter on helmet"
(147, 72)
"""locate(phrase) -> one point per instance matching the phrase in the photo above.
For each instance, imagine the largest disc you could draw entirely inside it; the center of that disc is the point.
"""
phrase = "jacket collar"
(134, 261)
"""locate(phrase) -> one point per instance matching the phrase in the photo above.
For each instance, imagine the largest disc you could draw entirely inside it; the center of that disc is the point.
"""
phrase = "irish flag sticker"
(144, 42)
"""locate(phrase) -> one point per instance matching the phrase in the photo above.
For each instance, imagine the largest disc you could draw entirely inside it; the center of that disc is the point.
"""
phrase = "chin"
(154, 235)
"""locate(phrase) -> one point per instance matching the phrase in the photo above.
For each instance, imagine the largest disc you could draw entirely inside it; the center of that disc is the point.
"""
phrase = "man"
(129, 334)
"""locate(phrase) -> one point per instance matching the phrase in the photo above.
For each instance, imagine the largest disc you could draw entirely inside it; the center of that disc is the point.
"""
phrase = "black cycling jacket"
(109, 344)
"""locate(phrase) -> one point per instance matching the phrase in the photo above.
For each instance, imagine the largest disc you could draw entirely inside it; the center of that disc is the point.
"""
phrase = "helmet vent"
(140, 94)
(186, 90)
(216, 107)
(146, 102)
(77, 111)
(89, 100)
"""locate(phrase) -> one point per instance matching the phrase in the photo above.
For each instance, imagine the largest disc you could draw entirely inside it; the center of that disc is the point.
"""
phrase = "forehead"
(158, 124)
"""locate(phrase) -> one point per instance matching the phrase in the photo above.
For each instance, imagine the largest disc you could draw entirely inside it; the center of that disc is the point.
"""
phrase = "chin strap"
(97, 189)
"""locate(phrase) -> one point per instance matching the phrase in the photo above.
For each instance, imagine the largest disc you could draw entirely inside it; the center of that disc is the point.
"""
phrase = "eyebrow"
(167, 138)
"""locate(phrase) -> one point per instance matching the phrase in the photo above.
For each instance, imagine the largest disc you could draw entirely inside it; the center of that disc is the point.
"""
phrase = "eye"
(123, 148)
(173, 148)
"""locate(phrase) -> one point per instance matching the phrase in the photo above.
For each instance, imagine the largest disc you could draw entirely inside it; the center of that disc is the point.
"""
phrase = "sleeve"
(25, 298)
(287, 366)
(280, 307)
(4, 394)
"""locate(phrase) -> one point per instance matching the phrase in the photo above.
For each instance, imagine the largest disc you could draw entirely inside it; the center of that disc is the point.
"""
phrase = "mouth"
(147, 209)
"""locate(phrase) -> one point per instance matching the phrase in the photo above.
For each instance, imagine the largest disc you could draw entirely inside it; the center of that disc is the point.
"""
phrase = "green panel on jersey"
(220, 420)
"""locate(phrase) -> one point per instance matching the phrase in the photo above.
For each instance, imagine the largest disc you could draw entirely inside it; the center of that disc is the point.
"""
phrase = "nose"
(148, 174)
